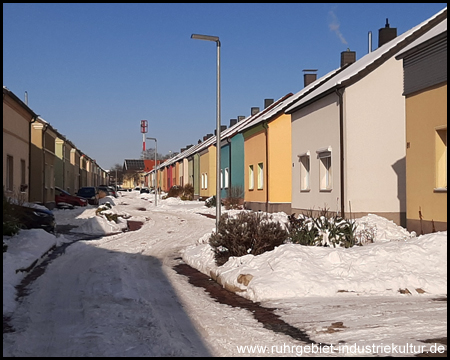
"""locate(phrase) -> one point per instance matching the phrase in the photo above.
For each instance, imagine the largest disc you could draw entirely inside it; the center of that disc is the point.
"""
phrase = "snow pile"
(290, 270)
(23, 251)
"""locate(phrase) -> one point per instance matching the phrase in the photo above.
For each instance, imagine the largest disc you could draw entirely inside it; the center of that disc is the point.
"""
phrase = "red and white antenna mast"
(144, 129)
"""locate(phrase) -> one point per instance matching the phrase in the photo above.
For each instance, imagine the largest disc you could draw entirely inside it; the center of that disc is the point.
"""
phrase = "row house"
(425, 92)
(17, 120)
(37, 158)
(356, 141)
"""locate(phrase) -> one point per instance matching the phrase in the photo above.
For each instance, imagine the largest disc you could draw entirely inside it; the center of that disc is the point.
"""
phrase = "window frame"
(251, 178)
(305, 171)
(260, 183)
(325, 169)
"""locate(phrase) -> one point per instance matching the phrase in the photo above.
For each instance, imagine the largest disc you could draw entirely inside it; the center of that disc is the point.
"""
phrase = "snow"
(137, 311)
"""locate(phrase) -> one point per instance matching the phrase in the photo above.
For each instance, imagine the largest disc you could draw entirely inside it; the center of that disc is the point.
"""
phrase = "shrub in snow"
(246, 233)
(174, 191)
(235, 198)
(103, 210)
(322, 231)
(211, 201)
(187, 192)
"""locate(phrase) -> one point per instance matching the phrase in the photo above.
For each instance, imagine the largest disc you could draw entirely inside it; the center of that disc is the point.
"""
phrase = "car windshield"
(62, 191)
(86, 192)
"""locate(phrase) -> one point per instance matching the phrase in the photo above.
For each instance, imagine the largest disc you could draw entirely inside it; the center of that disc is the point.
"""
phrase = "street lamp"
(218, 201)
(154, 178)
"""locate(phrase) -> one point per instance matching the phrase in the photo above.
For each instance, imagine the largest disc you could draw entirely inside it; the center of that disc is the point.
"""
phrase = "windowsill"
(440, 190)
(326, 190)
(305, 190)
(251, 189)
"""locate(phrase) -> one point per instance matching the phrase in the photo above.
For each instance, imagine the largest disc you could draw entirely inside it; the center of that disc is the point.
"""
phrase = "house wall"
(426, 114)
(197, 179)
(204, 169)
(16, 143)
(185, 172)
(191, 170)
(313, 128)
(42, 164)
(280, 164)
(224, 164)
(237, 177)
(255, 153)
(375, 147)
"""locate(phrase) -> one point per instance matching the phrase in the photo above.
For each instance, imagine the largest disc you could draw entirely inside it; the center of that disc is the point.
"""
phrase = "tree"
(116, 170)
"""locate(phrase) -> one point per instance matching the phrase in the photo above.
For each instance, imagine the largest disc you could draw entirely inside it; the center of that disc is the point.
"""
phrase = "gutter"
(340, 94)
(43, 163)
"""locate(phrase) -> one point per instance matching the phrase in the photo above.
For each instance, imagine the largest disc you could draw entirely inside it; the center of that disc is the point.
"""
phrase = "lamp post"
(218, 200)
(156, 183)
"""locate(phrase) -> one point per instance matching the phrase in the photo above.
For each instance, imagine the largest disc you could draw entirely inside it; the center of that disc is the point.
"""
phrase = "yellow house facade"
(17, 117)
(208, 172)
(425, 91)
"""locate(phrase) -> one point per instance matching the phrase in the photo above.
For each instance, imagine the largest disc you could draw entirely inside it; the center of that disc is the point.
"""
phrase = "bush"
(11, 223)
(187, 192)
(234, 199)
(174, 191)
(211, 202)
(246, 233)
(322, 231)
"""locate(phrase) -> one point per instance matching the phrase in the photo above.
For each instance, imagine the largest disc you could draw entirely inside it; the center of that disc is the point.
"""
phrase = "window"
(325, 173)
(226, 178)
(23, 179)
(9, 173)
(260, 176)
(251, 180)
(441, 159)
(221, 178)
(304, 171)
(203, 181)
(206, 180)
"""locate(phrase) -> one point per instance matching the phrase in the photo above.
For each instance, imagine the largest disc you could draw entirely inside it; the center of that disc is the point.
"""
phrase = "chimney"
(348, 57)
(233, 122)
(241, 117)
(222, 128)
(386, 34)
(207, 136)
(199, 141)
(189, 146)
(182, 149)
(309, 76)
(267, 102)
(254, 110)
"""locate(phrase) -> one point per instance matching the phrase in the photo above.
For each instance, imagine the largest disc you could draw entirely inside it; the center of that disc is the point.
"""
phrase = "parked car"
(145, 190)
(62, 196)
(33, 216)
(108, 190)
(90, 193)
(113, 191)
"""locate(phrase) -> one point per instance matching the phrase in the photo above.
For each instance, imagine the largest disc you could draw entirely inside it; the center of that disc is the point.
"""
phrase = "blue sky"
(94, 71)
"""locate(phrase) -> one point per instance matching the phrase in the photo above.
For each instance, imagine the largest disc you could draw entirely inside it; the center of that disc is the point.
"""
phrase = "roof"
(134, 165)
(433, 33)
(368, 62)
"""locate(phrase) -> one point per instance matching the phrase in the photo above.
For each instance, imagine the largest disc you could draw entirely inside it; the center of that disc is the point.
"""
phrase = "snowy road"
(120, 296)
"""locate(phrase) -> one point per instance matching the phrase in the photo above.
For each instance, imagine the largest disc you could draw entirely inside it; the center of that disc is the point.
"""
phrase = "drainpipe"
(340, 94)
(266, 126)
(33, 120)
(43, 162)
